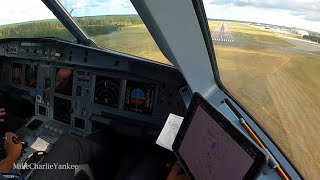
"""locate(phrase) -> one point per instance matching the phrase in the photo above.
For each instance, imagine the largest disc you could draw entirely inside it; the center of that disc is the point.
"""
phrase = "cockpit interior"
(50, 86)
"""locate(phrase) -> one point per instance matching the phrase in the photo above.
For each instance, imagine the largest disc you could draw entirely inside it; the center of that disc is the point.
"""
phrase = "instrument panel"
(80, 83)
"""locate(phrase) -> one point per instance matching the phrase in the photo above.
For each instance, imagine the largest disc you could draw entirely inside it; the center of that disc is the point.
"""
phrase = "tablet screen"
(210, 152)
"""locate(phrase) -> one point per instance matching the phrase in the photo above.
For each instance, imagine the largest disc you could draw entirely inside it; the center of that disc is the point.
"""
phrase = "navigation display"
(62, 110)
(16, 73)
(31, 76)
(139, 97)
(210, 152)
(107, 91)
(64, 81)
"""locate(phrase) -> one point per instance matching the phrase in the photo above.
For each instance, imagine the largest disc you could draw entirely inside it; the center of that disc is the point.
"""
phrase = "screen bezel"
(197, 100)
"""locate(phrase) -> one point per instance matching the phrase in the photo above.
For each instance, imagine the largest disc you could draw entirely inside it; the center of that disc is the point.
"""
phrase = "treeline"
(124, 20)
(93, 26)
(312, 38)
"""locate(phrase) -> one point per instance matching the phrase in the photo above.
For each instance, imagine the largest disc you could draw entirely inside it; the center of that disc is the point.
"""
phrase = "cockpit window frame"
(65, 18)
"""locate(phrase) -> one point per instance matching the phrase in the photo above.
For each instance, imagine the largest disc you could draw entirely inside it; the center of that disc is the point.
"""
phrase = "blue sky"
(299, 13)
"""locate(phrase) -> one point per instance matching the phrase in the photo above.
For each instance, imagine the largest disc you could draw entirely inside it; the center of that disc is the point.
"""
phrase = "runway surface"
(222, 33)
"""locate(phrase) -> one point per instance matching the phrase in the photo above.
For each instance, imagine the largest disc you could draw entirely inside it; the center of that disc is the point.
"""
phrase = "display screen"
(31, 75)
(107, 91)
(79, 123)
(62, 110)
(139, 97)
(16, 73)
(42, 111)
(210, 152)
(64, 81)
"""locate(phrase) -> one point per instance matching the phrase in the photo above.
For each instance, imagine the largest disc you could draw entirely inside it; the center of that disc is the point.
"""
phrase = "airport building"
(299, 31)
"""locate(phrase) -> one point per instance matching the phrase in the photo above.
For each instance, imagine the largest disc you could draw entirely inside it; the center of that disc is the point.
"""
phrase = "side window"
(269, 60)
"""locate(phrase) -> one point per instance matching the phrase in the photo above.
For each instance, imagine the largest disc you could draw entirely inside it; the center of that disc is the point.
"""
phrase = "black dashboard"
(76, 86)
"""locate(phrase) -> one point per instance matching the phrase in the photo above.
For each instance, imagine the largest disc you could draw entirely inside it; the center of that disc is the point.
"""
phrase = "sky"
(304, 14)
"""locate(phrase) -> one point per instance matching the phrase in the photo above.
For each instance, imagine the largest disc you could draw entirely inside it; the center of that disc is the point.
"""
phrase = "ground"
(135, 40)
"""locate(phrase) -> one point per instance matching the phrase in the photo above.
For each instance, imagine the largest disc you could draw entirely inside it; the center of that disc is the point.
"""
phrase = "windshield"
(115, 24)
(30, 19)
(268, 55)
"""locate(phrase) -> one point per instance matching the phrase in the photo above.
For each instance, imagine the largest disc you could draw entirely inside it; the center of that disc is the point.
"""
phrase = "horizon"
(302, 14)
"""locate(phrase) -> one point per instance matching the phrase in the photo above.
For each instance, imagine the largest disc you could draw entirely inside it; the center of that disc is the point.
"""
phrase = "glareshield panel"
(268, 55)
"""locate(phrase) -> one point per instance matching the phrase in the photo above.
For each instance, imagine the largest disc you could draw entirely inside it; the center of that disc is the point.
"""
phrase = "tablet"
(209, 146)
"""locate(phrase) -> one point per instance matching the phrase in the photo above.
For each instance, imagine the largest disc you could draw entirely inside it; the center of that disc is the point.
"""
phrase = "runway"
(222, 34)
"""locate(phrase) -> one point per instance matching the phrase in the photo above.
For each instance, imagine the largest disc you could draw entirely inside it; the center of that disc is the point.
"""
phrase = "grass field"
(135, 40)
(249, 34)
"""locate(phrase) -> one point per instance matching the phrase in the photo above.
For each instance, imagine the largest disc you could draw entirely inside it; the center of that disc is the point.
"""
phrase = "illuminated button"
(57, 54)
(55, 129)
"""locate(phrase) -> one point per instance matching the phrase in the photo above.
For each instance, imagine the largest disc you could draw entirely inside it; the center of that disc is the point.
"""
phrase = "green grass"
(135, 40)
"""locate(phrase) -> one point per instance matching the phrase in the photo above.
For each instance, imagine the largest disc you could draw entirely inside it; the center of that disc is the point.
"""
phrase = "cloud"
(14, 11)
(299, 13)
(296, 5)
(308, 8)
